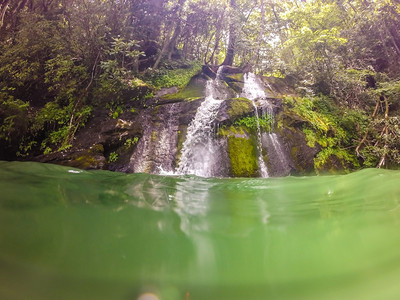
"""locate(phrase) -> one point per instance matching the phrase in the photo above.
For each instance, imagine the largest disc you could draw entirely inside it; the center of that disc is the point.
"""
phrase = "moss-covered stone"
(236, 86)
(243, 157)
(239, 107)
(278, 87)
(335, 161)
(235, 81)
(193, 91)
(236, 131)
(235, 77)
(179, 77)
(92, 158)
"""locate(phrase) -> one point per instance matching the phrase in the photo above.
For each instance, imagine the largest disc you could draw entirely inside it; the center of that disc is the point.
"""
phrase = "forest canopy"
(61, 58)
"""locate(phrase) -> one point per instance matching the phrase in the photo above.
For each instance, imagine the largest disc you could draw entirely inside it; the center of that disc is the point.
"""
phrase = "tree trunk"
(3, 9)
(260, 37)
(163, 50)
(208, 48)
(170, 41)
(230, 53)
(393, 38)
(218, 29)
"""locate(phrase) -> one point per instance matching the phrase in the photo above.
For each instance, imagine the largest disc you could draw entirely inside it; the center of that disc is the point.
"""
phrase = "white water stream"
(252, 90)
(199, 149)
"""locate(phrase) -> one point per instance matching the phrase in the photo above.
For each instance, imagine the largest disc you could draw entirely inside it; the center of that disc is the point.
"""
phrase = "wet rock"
(167, 91)
(86, 159)
(301, 154)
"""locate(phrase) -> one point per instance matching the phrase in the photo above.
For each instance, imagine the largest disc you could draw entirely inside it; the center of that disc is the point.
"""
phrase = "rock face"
(151, 138)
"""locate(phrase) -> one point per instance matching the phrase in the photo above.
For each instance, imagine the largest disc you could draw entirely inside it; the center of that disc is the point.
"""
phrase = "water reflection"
(100, 235)
(213, 215)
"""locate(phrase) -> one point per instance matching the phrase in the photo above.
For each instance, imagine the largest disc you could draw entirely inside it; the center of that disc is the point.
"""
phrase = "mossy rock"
(301, 154)
(332, 165)
(237, 87)
(335, 161)
(234, 109)
(87, 162)
(89, 159)
(235, 131)
(235, 81)
(239, 107)
(278, 86)
(193, 91)
(235, 77)
(243, 157)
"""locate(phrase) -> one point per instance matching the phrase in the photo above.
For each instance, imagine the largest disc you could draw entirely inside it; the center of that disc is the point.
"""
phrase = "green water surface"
(71, 234)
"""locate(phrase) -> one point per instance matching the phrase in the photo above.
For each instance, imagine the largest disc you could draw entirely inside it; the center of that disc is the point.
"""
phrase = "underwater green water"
(70, 234)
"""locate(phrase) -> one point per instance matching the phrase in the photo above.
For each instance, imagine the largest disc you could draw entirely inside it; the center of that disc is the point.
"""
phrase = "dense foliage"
(62, 58)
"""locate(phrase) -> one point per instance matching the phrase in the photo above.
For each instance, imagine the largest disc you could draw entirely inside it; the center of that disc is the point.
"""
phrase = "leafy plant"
(335, 129)
(113, 157)
(115, 109)
(176, 77)
(123, 59)
(13, 121)
(130, 142)
(265, 122)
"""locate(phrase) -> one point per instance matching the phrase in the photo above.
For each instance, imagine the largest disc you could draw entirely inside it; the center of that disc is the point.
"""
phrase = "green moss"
(239, 107)
(236, 131)
(243, 157)
(87, 159)
(85, 162)
(192, 91)
(325, 160)
(165, 78)
(97, 149)
(294, 151)
(236, 77)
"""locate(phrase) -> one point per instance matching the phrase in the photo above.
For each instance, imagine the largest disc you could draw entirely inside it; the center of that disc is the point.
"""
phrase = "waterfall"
(199, 149)
(278, 162)
(253, 91)
(156, 150)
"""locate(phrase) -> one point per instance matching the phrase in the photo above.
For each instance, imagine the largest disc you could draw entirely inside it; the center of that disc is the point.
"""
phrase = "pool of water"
(72, 234)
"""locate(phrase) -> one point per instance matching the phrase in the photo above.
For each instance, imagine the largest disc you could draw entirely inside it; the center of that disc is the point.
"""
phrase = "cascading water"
(155, 152)
(253, 91)
(199, 149)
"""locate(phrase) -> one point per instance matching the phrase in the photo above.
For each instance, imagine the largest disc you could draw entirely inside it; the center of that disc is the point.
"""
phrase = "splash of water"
(280, 164)
(198, 152)
(252, 91)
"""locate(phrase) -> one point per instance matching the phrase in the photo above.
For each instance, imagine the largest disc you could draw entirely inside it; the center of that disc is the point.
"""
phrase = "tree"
(172, 33)
(230, 52)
